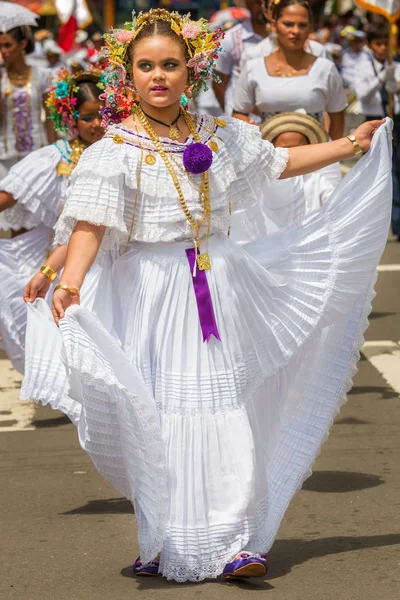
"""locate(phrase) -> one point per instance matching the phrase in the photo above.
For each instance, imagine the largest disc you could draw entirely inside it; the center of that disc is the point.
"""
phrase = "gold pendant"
(65, 169)
(150, 159)
(174, 133)
(213, 146)
(203, 261)
(220, 123)
(118, 139)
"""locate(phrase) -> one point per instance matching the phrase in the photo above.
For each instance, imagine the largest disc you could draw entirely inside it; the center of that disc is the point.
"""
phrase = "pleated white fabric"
(39, 192)
(20, 258)
(211, 441)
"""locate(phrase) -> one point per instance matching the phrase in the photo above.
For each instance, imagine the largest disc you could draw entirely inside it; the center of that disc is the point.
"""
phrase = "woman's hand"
(365, 133)
(37, 287)
(62, 299)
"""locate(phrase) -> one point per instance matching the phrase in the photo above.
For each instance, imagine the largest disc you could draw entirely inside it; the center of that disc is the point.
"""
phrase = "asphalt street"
(66, 534)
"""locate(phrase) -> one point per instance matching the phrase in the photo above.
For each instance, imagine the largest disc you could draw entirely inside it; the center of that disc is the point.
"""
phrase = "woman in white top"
(291, 77)
(31, 199)
(23, 90)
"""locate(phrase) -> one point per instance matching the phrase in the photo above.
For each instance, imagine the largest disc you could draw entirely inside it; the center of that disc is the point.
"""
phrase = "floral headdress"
(202, 46)
(62, 100)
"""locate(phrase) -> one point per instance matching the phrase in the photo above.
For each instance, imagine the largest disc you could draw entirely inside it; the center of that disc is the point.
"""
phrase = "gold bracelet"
(48, 272)
(357, 148)
(68, 288)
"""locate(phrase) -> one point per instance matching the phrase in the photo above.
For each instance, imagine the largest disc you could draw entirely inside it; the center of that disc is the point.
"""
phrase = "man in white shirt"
(375, 80)
(353, 56)
(234, 44)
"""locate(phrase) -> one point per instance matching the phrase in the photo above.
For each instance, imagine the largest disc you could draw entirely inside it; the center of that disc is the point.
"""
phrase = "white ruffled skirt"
(20, 259)
(211, 441)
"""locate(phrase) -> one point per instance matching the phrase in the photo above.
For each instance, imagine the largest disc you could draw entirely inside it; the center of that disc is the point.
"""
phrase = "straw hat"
(297, 122)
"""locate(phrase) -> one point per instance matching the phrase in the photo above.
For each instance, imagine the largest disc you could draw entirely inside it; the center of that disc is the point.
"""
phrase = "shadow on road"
(284, 555)
(386, 393)
(379, 315)
(108, 505)
(341, 481)
(55, 422)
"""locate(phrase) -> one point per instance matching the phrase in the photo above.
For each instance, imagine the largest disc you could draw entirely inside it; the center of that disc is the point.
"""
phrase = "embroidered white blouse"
(106, 179)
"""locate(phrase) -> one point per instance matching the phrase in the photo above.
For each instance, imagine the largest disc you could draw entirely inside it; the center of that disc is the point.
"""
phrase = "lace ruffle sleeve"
(35, 185)
(97, 195)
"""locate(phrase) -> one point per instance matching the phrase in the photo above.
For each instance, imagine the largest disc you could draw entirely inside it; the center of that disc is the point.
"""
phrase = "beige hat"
(297, 122)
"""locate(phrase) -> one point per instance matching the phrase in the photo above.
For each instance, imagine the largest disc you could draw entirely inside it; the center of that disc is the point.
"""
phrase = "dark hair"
(21, 33)
(87, 90)
(278, 8)
(158, 28)
(377, 31)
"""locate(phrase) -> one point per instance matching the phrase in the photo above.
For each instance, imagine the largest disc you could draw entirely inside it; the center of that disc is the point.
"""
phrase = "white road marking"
(16, 415)
(384, 355)
(388, 268)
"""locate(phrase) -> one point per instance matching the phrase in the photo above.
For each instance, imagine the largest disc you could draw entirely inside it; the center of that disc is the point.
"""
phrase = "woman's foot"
(149, 569)
(246, 564)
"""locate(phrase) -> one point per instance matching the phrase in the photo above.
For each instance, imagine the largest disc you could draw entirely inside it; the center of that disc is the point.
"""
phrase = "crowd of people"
(210, 275)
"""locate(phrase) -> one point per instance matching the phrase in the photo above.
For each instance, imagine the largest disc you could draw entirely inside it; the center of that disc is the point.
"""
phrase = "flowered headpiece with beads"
(62, 100)
(202, 46)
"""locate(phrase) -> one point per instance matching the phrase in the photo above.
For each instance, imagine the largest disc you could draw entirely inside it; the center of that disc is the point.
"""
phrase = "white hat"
(14, 15)
(52, 47)
(81, 36)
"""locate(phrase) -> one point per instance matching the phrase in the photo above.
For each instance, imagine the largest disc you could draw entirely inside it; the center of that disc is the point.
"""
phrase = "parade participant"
(211, 374)
(291, 77)
(353, 56)
(282, 205)
(31, 198)
(289, 130)
(23, 90)
(375, 79)
(235, 42)
(269, 44)
(53, 54)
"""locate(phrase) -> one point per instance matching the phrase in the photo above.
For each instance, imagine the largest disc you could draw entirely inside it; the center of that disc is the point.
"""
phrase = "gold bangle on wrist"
(49, 272)
(68, 288)
(357, 148)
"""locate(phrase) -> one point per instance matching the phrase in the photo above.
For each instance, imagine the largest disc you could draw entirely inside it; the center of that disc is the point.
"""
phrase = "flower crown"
(202, 46)
(62, 100)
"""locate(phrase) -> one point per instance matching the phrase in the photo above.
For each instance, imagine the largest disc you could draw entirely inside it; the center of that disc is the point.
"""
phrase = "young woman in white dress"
(208, 374)
(31, 198)
(23, 91)
(291, 78)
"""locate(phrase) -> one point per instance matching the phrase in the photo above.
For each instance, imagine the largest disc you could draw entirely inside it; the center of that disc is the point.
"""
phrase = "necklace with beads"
(66, 167)
(202, 259)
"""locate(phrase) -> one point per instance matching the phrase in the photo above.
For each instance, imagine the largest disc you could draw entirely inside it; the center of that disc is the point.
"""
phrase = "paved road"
(67, 535)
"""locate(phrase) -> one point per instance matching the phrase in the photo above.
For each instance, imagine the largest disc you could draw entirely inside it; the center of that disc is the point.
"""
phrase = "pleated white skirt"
(211, 441)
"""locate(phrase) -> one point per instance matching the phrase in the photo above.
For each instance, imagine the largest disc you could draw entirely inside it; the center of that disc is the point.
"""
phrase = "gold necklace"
(203, 259)
(77, 147)
(19, 79)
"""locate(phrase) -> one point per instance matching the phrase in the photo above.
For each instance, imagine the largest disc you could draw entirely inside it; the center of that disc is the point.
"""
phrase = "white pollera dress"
(40, 193)
(210, 440)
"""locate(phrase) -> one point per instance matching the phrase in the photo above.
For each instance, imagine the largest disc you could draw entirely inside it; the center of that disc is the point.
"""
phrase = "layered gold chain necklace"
(66, 167)
(203, 259)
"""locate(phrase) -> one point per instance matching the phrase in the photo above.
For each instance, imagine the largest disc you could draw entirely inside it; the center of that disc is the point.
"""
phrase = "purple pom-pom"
(197, 158)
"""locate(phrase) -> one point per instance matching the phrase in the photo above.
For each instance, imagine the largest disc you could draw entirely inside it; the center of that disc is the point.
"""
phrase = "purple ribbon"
(203, 298)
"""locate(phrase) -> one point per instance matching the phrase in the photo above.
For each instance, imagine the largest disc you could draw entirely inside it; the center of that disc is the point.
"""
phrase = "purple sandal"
(246, 564)
(149, 569)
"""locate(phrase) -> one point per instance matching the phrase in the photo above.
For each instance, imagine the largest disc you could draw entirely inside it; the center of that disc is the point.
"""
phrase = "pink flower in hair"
(123, 36)
(200, 62)
(190, 31)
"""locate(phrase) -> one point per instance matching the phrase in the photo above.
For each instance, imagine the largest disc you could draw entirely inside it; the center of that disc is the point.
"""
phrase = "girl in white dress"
(207, 375)
(291, 77)
(31, 198)
(23, 91)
